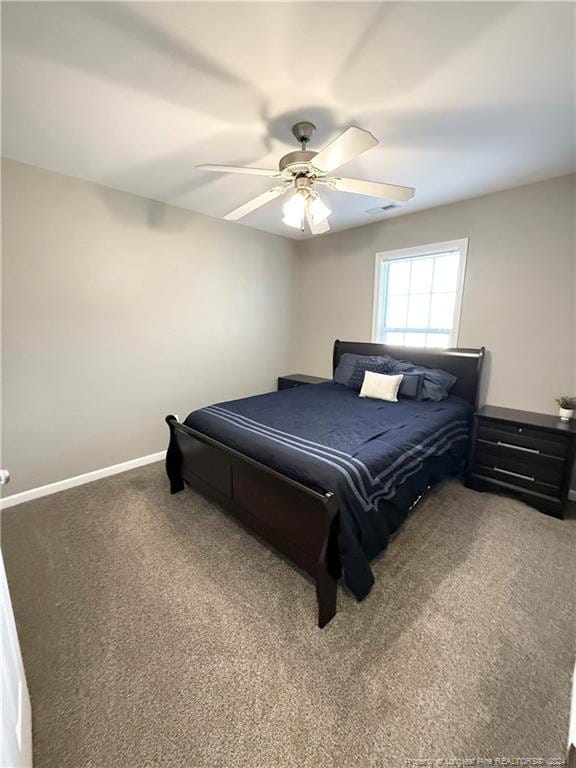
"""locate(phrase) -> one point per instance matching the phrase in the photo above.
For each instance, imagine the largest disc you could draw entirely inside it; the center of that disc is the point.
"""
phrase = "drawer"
(517, 479)
(531, 439)
(546, 469)
(552, 506)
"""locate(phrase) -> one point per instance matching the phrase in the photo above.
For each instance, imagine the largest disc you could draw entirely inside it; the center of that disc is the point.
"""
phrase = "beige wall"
(518, 295)
(117, 311)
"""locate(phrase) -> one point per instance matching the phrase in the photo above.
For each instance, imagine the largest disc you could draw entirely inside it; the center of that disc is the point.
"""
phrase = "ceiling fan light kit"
(301, 170)
(305, 204)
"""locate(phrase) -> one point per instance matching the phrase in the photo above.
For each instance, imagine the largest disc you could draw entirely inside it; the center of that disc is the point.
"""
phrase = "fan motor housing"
(297, 162)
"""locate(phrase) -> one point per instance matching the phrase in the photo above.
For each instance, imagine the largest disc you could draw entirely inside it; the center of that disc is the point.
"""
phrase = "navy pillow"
(435, 384)
(374, 364)
(345, 367)
(432, 384)
(410, 385)
(347, 363)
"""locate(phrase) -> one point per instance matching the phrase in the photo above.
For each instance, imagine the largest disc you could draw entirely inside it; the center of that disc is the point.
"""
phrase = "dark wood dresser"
(529, 455)
(298, 380)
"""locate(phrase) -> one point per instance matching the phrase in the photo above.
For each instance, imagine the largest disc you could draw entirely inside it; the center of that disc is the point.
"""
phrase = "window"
(418, 294)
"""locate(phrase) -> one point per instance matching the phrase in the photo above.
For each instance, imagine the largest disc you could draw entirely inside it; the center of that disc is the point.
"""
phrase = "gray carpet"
(157, 632)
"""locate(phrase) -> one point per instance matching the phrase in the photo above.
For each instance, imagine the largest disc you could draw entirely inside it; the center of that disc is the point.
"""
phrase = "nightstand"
(528, 455)
(298, 380)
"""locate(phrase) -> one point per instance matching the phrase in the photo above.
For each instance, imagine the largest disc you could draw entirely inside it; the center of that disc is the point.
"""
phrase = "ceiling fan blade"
(240, 169)
(256, 202)
(344, 148)
(372, 189)
(317, 229)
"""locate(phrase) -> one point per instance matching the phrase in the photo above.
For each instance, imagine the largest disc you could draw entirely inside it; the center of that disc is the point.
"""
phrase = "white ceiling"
(465, 98)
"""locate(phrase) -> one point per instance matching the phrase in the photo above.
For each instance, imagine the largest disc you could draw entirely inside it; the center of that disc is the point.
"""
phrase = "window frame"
(429, 249)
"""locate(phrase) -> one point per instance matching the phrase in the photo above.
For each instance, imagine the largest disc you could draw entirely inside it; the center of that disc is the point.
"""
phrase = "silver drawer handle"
(518, 447)
(515, 474)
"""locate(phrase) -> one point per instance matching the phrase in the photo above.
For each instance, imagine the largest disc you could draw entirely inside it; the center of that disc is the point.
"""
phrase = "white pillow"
(381, 386)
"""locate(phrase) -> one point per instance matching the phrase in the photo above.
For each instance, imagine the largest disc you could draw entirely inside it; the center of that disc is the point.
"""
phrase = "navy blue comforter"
(377, 457)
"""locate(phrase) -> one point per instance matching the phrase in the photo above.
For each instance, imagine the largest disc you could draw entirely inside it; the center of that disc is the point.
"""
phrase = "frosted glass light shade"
(318, 210)
(294, 211)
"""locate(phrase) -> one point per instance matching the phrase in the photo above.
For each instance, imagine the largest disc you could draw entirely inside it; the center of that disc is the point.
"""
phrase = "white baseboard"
(71, 482)
(572, 494)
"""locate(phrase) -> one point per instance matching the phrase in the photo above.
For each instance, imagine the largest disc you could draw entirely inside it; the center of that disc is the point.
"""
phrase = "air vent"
(382, 209)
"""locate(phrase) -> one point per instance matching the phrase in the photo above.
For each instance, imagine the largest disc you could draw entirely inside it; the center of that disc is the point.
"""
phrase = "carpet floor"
(157, 632)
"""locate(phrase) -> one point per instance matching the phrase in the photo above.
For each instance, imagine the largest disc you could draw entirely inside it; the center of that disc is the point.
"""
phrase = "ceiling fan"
(303, 170)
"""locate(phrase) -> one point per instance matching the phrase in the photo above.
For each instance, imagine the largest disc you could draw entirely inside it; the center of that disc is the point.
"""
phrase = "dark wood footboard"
(297, 521)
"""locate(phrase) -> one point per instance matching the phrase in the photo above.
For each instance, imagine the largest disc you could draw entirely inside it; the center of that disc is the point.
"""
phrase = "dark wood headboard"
(466, 364)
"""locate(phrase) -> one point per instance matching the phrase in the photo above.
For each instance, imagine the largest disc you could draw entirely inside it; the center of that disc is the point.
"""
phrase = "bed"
(322, 475)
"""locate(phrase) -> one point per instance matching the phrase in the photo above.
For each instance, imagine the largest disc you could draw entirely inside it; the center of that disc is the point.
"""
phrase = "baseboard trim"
(72, 482)
(572, 494)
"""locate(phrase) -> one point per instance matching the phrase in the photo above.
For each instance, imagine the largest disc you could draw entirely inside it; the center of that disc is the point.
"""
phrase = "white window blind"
(418, 295)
